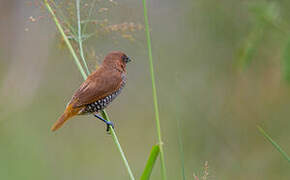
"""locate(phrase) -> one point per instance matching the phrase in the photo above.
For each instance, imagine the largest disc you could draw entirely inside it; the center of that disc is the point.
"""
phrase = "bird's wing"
(98, 85)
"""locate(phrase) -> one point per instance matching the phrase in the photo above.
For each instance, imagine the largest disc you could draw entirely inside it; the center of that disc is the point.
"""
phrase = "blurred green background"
(222, 68)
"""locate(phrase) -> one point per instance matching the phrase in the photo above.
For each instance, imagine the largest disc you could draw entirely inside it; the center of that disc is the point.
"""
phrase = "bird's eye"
(126, 59)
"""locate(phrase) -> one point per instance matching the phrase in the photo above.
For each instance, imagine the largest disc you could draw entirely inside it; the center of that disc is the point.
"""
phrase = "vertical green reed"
(163, 168)
(104, 114)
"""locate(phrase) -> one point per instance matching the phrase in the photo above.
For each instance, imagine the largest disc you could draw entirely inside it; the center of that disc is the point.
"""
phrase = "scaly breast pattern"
(101, 104)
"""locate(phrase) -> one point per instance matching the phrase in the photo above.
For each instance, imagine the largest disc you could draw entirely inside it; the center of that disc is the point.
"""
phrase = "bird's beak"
(129, 59)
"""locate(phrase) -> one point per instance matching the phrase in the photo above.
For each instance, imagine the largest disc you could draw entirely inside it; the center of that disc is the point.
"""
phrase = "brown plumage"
(99, 89)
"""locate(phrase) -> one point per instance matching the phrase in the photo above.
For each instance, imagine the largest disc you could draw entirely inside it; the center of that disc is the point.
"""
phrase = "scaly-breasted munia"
(98, 90)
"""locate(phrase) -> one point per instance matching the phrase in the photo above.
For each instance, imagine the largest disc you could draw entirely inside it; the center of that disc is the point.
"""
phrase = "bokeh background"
(222, 68)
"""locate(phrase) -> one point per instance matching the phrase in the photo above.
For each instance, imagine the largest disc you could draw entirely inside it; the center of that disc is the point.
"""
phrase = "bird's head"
(117, 60)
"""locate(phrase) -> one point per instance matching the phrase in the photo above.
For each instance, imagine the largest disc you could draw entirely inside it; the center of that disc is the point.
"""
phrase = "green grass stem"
(85, 22)
(115, 138)
(104, 114)
(284, 154)
(147, 29)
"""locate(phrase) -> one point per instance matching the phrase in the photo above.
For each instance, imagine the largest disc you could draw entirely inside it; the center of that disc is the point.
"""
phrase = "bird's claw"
(108, 123)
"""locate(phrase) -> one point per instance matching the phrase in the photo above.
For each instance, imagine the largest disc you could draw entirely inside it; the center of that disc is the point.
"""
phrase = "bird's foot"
(108, 123)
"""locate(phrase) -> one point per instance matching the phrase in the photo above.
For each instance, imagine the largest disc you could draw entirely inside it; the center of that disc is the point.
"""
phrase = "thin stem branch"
(284, 154)
(154, 90)
(104, 114)
(57, 23)
(89, 16)
(65, 21)
(80, 40)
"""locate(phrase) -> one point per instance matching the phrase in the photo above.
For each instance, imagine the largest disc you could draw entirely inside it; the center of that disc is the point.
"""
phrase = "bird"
(99, 89)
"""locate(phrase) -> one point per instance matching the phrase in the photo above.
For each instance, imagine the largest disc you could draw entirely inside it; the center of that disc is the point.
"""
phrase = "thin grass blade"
(284, 154)
(150, 163)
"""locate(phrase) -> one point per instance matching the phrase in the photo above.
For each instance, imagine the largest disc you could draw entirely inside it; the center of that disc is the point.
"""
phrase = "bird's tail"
(69, 112)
